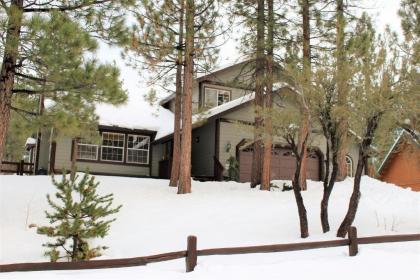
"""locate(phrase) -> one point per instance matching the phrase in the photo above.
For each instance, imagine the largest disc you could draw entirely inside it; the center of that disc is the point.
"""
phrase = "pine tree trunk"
(75, 247)
(303, 219)
(354, 199)
(325, 198)
(184, 184)
(371, 126)
(259, 98)
(7, 73)
(268, 124)
(341, 87)
(305, 125)
(173, 182)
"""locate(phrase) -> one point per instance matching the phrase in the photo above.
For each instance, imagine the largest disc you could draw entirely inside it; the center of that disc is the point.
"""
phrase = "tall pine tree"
(35, 31)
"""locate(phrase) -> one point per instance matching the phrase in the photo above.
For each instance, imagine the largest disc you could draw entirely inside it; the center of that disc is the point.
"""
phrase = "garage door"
(283, 165)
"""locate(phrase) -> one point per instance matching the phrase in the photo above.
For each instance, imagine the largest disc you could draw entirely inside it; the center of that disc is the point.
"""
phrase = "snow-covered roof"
(136, 114)
(199, 117)
(30, 141)
(203, 75)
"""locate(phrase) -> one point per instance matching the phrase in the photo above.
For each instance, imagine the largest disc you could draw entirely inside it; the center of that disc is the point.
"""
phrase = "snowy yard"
(155, 220)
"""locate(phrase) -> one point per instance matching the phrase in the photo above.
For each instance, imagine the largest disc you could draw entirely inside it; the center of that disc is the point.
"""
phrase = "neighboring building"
(401, 165)
(135, 145)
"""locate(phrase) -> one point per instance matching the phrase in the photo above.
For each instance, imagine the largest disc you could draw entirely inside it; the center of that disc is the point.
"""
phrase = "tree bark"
(184, 184)
(341, 87)
(371, 126)
(305, 125)
(303, 220)
(7, 73)
(176, 149)
(354, 199)
(328, 187)
(259, 98)
(268, 124)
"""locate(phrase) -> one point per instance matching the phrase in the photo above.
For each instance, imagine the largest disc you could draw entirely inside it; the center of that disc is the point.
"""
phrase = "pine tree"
(79, 215)
(285, 125)
(268, 106)
(44, 47)
(201, 27)
(378, 91)
(257, 155)
(160, 44)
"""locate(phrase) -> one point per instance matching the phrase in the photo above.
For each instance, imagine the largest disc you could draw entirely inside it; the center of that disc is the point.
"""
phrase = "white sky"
(384, 12)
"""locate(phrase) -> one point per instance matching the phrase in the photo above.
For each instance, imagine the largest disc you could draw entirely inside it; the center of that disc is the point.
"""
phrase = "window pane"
(85, 151)
(113, 139)
(223, 97)
(210, 97)
(138, 142)
(137, 156)
(138, 149)
(112, 154)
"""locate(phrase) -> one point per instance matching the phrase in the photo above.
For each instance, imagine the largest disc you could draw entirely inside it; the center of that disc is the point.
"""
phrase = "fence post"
(21, 167)
(353, 243)
(191, 258)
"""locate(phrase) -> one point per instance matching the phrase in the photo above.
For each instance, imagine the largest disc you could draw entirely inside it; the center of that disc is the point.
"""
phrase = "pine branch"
(64, 8)
(19, 110)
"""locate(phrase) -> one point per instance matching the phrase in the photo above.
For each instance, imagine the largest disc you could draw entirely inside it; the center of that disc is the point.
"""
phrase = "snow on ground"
(155, 220)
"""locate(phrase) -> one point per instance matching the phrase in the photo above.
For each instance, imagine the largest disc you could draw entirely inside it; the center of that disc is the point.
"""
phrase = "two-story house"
(222, 129)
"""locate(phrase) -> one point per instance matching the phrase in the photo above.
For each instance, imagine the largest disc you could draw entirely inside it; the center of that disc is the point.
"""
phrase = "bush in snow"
(78, 215)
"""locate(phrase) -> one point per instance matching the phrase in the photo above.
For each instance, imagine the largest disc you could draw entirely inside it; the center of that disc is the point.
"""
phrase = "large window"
(112, 147)
(86, 150)
(215, 97)
(138, 149)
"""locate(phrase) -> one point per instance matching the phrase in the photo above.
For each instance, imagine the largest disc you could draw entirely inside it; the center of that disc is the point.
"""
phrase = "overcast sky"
(384, 12)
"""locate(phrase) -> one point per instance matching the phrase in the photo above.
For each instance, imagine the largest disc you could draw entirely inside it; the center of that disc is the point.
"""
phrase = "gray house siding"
(157, 151)
(63, 161)
(203, 145)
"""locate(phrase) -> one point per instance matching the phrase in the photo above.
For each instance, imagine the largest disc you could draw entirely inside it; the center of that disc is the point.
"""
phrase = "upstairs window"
(138, 149)
(223, 96)
(216, 97)
(112, 147)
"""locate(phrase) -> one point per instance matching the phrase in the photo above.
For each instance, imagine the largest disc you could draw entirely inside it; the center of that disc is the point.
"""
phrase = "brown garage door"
(283, 165)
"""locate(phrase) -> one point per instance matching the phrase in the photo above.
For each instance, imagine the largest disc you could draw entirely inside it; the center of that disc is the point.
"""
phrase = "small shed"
(401, 165)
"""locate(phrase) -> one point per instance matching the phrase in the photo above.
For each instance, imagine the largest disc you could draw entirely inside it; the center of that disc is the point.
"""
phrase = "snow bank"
(154, 219)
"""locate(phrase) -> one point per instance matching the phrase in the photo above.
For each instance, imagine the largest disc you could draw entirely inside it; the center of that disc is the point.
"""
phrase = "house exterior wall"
(202, 153)
(235, 93)
(44, 151)
(403, 169)
(157, 156)
(63, 161)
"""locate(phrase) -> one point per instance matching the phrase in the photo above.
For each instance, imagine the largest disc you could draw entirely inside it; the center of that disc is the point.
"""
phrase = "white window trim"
(104, 146)
(351, 166)
(84, 144)
(148, 150)
(218, 92)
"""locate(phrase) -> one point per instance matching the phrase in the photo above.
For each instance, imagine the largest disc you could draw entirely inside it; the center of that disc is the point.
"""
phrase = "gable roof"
(413, 135)
(207, 75)
(202, 118)
(136, 114)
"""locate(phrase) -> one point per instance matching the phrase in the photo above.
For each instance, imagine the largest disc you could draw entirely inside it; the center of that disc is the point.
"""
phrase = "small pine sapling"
(233, 168)
(78, 215)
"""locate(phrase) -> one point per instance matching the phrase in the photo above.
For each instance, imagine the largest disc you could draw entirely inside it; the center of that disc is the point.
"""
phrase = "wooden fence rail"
(17, 167)
(191, 254)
